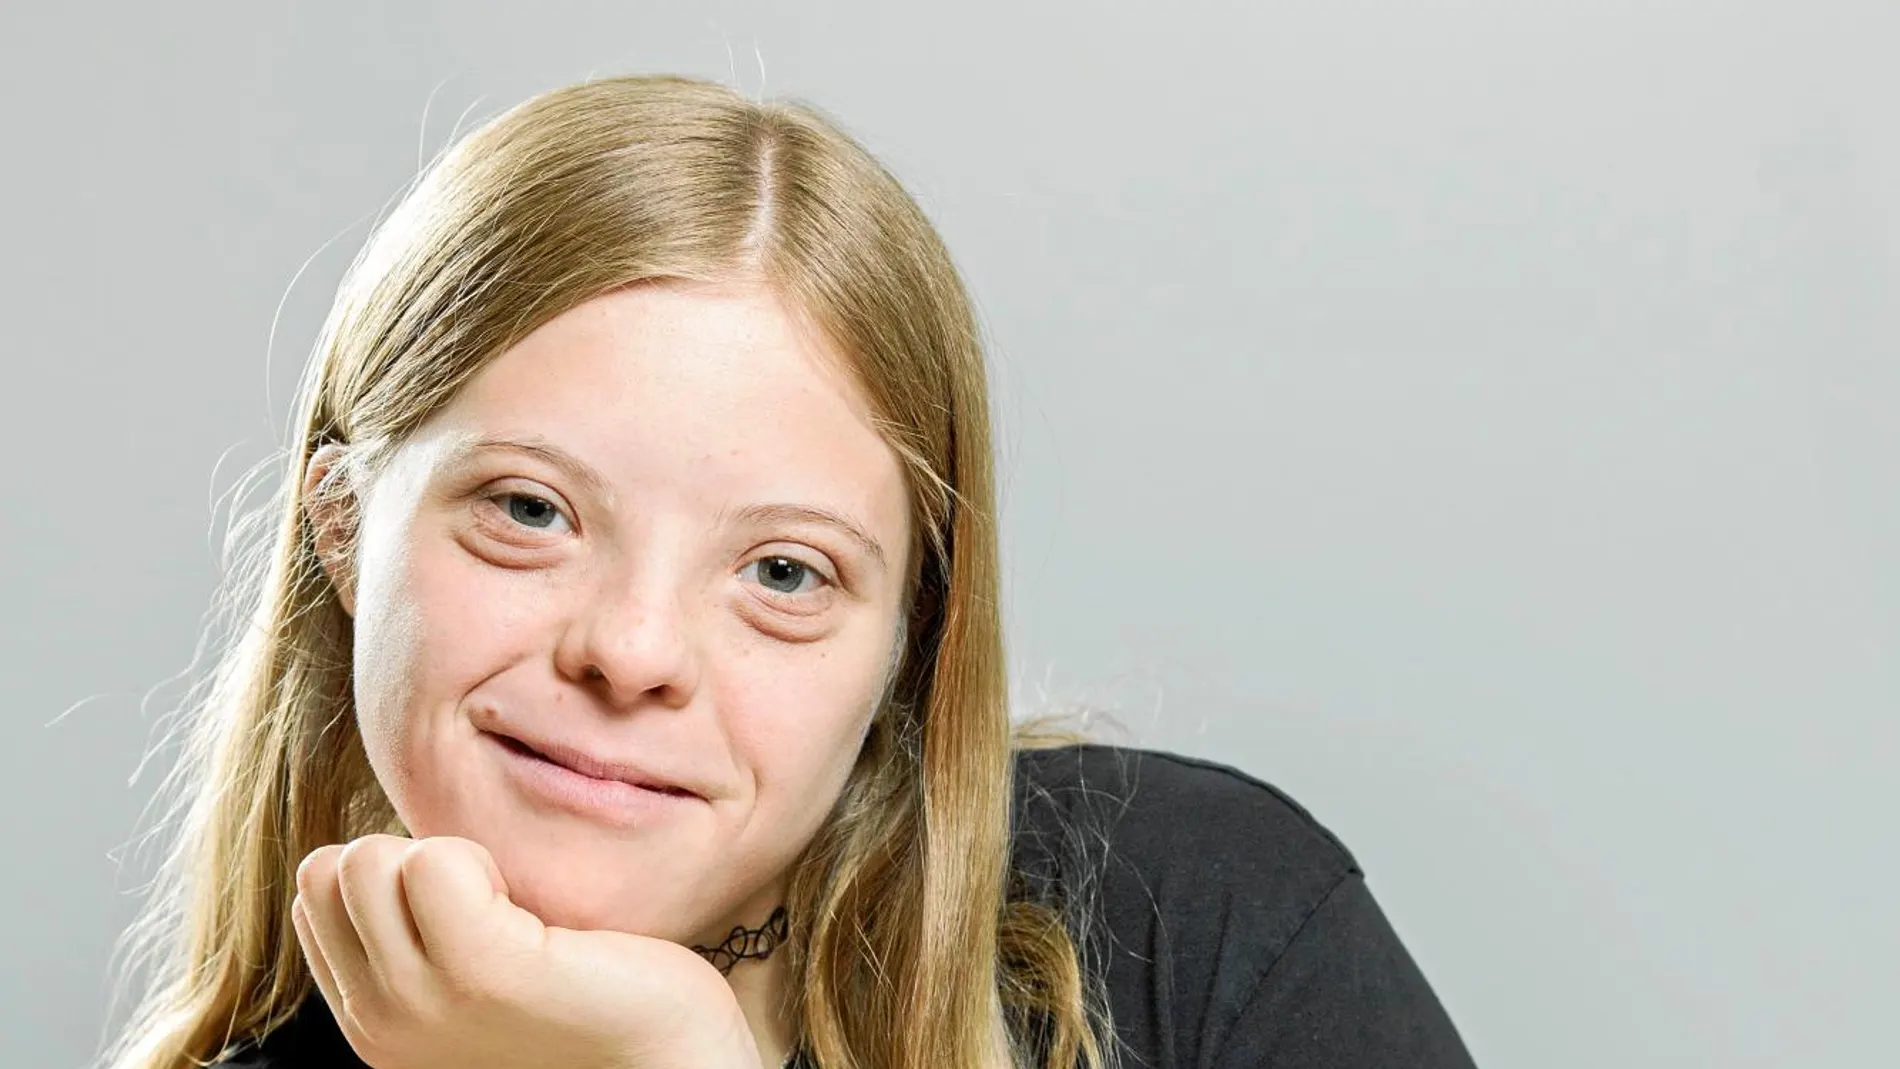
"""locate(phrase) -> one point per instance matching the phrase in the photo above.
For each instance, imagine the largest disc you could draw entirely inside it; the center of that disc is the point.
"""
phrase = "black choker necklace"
(743, 943)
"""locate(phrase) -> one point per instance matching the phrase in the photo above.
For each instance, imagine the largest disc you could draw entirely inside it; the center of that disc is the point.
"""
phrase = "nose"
(630, 643)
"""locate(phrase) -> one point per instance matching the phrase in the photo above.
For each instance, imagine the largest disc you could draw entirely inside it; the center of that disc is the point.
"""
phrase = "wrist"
(730, 1047)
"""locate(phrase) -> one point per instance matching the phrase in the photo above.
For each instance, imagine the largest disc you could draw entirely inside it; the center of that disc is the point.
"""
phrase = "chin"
(568, 907)
(578, 893)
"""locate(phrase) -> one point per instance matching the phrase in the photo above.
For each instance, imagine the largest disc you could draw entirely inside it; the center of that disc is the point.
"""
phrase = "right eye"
(529, 510)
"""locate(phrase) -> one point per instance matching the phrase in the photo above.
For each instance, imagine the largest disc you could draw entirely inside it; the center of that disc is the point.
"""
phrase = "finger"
(313, 954)
(369, 878)
(329, 922)
(457, 897)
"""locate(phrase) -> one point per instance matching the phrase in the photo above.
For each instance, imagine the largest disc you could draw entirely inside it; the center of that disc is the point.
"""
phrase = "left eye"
(784, 575)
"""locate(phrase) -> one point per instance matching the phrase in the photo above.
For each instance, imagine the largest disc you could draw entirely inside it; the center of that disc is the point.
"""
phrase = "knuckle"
(425, 860)
(317, 872)
(421, 854)
(366, 858)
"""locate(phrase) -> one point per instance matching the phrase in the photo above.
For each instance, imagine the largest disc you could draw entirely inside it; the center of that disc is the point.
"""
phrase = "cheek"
(797, 718)
(388, 654)
(431, 625)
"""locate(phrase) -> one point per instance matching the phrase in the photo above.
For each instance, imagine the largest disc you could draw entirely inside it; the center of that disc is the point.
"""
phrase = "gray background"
(1475, 417)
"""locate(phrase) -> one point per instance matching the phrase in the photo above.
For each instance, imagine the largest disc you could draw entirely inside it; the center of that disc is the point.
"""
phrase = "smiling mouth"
(583, 767)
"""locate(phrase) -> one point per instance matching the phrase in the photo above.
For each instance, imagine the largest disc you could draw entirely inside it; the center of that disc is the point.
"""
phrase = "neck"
(761, 987)
(760, 984)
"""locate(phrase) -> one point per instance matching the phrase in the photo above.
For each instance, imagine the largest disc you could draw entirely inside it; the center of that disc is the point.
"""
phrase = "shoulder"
(1186, 880)
(1159, 809)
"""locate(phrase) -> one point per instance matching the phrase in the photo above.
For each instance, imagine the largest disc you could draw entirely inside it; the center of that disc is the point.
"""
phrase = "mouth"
(605, 773)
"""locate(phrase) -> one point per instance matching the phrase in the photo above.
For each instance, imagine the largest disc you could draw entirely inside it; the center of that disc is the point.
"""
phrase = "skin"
(609, 584)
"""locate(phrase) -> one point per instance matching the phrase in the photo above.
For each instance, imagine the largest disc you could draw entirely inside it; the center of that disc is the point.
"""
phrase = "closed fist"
(427, 964)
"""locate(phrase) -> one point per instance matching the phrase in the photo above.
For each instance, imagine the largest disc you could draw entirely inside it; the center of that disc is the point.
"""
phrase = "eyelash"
(500, 501)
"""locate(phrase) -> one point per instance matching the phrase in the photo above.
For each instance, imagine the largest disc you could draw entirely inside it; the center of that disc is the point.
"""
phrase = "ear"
(333, 512)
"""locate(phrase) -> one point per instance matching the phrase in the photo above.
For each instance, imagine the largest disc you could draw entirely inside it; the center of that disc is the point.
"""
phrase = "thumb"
(495, 880)
(458, 898)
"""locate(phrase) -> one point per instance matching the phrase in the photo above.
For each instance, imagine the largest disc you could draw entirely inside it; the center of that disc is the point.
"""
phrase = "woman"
(623, 686)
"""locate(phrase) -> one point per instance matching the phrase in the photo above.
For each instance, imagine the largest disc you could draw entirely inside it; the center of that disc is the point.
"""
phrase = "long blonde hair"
(907, 948)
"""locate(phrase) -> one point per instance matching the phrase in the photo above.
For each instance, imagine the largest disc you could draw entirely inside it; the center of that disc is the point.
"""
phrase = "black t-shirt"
(1231, 930)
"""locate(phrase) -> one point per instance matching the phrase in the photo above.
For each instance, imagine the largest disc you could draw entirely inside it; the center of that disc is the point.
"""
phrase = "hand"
(427, 964)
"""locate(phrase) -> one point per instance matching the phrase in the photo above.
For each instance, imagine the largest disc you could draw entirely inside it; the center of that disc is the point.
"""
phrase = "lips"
(585, 764)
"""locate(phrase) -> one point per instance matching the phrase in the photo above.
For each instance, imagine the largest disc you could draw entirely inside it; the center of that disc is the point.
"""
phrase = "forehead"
(689, 384)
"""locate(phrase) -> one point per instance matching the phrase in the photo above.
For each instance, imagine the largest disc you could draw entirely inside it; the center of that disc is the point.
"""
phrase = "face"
(624, 608)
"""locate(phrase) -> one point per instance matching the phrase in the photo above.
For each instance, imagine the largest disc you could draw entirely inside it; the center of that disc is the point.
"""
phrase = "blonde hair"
(907, 948)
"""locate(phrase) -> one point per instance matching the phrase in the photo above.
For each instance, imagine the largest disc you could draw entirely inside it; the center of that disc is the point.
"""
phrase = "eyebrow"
(581, 472)
(541, 449)
(786, 512)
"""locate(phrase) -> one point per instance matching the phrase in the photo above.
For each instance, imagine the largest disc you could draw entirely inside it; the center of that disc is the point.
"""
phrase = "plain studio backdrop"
(1476, 418)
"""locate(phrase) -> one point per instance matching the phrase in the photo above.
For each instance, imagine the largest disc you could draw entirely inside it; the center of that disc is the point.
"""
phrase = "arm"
(1344, 995)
